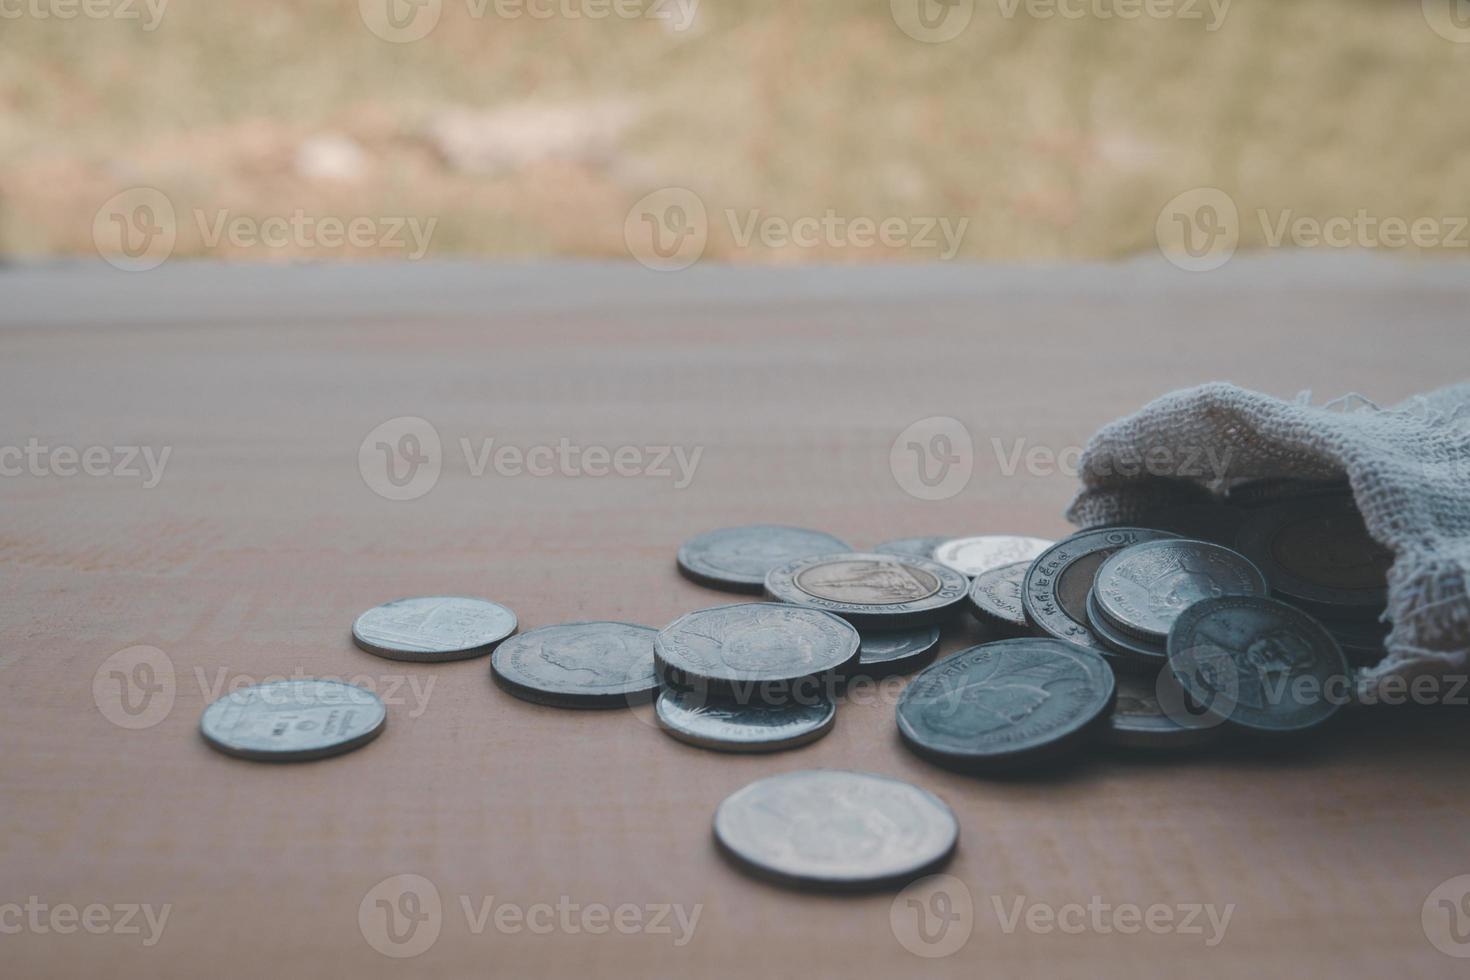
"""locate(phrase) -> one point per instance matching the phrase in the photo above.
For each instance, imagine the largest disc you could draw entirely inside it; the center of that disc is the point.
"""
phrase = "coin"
(1054, 595)
(912, 547)
(830, 828)
(736, 559)
(1318, 554)
(897, 651)
(293, 720)
(1259, 665)
(995, 598)
(1272, 490)
(579, 665)
(434, 629)
(1143, 588)
(1006, 704)
(975, 556)
(1141, 721)
(1125, 651)
(725, 726)
(871, 591)
(755, 651)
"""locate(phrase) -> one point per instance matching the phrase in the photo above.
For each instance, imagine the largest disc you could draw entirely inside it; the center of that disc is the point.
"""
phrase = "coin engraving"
(578, 664)
(1144, 588)
(293, 720)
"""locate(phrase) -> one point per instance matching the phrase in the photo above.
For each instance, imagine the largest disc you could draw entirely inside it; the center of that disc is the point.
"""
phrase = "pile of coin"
(1200, 618)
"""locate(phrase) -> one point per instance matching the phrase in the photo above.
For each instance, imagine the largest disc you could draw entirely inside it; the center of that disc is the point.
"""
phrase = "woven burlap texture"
(1409, 468)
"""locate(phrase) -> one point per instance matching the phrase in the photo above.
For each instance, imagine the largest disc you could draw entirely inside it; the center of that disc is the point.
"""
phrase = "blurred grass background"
(1056, 138)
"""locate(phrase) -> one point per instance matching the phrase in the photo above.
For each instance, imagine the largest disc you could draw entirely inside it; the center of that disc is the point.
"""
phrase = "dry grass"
(1055, 138)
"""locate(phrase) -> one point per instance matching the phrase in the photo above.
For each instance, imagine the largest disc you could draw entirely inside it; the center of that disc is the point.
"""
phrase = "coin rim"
(932, 610)
(755, 747)
(429, 656)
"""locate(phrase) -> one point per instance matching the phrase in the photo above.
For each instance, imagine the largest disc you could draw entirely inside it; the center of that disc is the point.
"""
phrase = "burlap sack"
(1409, 468)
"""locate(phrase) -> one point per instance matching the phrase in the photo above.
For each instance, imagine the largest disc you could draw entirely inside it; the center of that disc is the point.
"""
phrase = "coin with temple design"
(579, 665)
(433, 629)
(750, 649)
(1006, 704)
(1143, 589)
(872, 591)
(835, 829)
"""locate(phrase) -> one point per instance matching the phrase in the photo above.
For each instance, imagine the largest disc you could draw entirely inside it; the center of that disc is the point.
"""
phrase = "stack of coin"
(1139, 591)
(1317, 555)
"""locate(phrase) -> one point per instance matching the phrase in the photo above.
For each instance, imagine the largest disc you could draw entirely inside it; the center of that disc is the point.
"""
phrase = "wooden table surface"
(263, 538)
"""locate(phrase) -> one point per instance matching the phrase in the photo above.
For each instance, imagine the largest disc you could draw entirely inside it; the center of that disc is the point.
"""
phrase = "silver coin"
(1143, 588)
(751, 649)
(1141, 721)
(729, 727)
(912, 547)
(830, 828)
(736, 559)
(976, 556)
(1006, 704)
(1059, 582)
(293, 720)
(995, 598)
(898, 651)
(433, 629)
(872, 591)
(579, 665)
(1124, 650)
